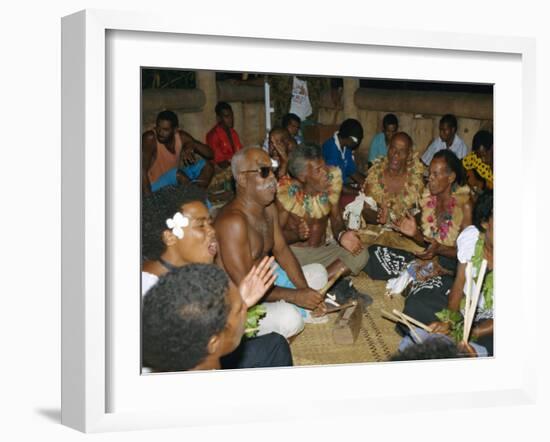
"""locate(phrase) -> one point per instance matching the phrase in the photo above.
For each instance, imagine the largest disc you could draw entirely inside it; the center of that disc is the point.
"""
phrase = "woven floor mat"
(377, 340)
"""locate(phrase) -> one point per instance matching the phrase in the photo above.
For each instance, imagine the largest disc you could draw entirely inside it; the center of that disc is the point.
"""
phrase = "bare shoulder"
(148, 135)
(231, 217)
(185, 137)
(148, 143)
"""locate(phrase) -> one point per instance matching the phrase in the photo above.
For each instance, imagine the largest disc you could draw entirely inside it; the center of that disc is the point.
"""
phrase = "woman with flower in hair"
(177, 231)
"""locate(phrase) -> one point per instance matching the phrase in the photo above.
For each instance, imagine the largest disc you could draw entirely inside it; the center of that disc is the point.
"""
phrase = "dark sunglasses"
(263, 171)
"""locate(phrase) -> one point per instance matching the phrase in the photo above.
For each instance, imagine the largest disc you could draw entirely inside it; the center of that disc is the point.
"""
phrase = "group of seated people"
(282, 236)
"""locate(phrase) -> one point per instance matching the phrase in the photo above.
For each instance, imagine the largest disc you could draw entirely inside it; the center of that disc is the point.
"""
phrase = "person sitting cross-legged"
(172, 156)
(248, 230)
(339, 151)
(223, 138)
(394, 182)
(307, 200)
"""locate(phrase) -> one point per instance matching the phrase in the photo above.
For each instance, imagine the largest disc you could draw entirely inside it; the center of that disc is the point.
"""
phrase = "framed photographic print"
(106, 57)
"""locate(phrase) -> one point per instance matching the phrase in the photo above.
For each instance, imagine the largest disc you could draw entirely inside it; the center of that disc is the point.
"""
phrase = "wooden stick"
(331, 282)
(413, 321)
(342, 307)
(418, 339)
(404, 322)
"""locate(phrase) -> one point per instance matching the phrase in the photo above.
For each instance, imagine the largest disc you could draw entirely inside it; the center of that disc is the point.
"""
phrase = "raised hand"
(257, 282)
(406, 225)
(351, 241)
(308, 298)
(281, 151)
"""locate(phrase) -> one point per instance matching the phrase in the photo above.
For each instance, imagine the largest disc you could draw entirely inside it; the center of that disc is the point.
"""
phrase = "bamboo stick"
(471, 313)
(404, 322)
(413, 321)
(342, 307)
(331, 282)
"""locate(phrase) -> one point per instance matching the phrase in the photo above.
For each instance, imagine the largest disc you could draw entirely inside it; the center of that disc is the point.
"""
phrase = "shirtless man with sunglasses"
(248, 230)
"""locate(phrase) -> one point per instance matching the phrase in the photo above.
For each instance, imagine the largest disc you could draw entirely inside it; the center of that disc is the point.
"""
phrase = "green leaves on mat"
(253, 316)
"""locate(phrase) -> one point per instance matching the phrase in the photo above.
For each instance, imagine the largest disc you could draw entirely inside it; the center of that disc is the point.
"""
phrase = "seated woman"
(445, 211)
(177, 231)
(479, 163)
(436, 308)
(394, 182)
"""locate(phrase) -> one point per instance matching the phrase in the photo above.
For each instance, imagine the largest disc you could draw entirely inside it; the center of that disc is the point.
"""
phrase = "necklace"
(440, 224)
(167, 265)
(292, 197)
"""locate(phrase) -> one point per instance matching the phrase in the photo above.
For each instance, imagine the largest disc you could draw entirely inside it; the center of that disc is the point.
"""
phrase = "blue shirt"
(377, 147)
(334, 156)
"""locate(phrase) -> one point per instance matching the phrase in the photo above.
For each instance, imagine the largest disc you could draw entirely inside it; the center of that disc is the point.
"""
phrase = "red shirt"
(218, 140)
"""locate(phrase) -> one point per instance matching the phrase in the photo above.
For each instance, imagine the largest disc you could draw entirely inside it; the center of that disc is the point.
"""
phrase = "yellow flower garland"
(294, 200)
(472, 161)
(402, 201)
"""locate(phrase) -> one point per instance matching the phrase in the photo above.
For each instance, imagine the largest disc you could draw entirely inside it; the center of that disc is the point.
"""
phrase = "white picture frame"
(93, 236)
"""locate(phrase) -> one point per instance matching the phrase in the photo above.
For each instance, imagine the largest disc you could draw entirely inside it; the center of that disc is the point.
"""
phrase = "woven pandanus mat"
(377, 340)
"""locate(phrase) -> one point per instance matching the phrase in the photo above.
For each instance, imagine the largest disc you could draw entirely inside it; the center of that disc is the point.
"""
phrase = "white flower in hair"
(176, 223)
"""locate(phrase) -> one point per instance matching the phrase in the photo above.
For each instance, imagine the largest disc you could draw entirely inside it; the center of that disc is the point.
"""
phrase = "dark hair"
(181, 312)
(168, 115)
(483, 209)
(434, 348)
(156, 208)
(277, 129)
(449, 119)
(288, 118)
(221, 106)
(351, 128)
(453, 165)
(482, 138)
(389, 119)
(300, 155)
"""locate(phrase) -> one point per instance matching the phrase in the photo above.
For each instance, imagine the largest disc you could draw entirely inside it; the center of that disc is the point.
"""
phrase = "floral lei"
(472, 161)
(293, 198)
(404, 200)
(448, 229)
